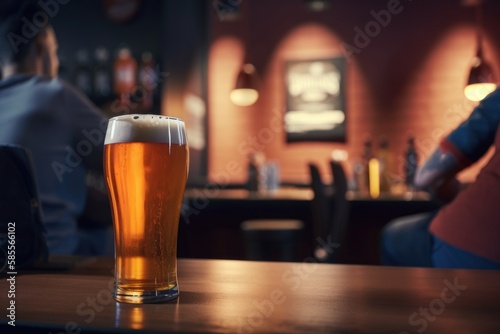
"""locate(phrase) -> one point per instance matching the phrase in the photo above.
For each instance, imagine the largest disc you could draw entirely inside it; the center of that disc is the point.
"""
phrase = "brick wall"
(409, 79)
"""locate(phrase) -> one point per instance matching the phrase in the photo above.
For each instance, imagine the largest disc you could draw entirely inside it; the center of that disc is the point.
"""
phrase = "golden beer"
(146, 166)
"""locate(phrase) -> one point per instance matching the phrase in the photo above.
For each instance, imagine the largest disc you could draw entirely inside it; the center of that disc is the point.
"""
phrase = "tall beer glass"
(146, 165)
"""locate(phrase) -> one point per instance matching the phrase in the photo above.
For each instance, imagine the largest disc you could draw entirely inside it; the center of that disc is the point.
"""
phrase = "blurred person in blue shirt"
(63, 130)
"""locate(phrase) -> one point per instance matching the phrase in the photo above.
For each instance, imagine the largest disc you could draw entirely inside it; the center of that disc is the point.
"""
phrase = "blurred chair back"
(330, 212)
(340, 212)
(320, 205)
(20, 213)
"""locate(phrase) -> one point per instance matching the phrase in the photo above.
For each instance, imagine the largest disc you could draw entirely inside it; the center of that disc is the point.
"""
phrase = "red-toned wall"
(408, 80)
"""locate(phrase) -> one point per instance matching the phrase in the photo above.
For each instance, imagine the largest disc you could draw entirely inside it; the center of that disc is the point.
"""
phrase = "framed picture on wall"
(315, 100)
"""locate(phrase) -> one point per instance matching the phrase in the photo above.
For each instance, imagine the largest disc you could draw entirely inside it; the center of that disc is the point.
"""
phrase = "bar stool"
(272, 239)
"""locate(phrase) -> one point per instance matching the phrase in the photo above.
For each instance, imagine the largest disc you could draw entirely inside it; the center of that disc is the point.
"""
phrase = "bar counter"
(225, 296)
(215, 214)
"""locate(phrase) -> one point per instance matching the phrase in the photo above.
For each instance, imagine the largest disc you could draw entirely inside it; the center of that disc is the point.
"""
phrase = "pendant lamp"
(481, 81)
(245, 92)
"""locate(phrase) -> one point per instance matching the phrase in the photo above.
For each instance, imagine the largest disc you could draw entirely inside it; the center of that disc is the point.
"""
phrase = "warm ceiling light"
(245, 92)
(481, 81)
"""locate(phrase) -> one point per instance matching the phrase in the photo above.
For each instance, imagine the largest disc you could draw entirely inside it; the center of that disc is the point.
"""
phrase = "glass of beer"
(146, 163)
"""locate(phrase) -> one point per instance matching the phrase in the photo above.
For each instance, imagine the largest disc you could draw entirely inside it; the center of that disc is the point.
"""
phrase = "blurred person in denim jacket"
(465, 232)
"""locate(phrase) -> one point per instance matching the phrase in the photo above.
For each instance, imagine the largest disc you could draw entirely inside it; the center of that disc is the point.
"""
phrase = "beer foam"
(146, 128)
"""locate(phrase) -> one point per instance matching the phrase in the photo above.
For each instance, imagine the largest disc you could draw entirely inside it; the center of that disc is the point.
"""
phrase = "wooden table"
(222, 296)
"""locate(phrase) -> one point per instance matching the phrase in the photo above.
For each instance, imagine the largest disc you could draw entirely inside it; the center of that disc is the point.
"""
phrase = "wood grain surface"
(221, 296)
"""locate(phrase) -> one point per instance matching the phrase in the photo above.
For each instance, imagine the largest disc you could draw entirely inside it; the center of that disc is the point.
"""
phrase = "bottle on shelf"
(372, 170)
(256, 172)
(365, 159)
(357, 183)
(102, 74)
(125, 76)
(386, 160)
(411, 163)
(83, 72)
(148, 80)
(374, 177)
(253, 179)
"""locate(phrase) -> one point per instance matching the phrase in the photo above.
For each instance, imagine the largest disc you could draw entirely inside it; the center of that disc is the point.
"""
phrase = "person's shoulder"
(40, 82)
(63, 90)
(33, 87)
(62, 95)
(55, 84)
(52, 86)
